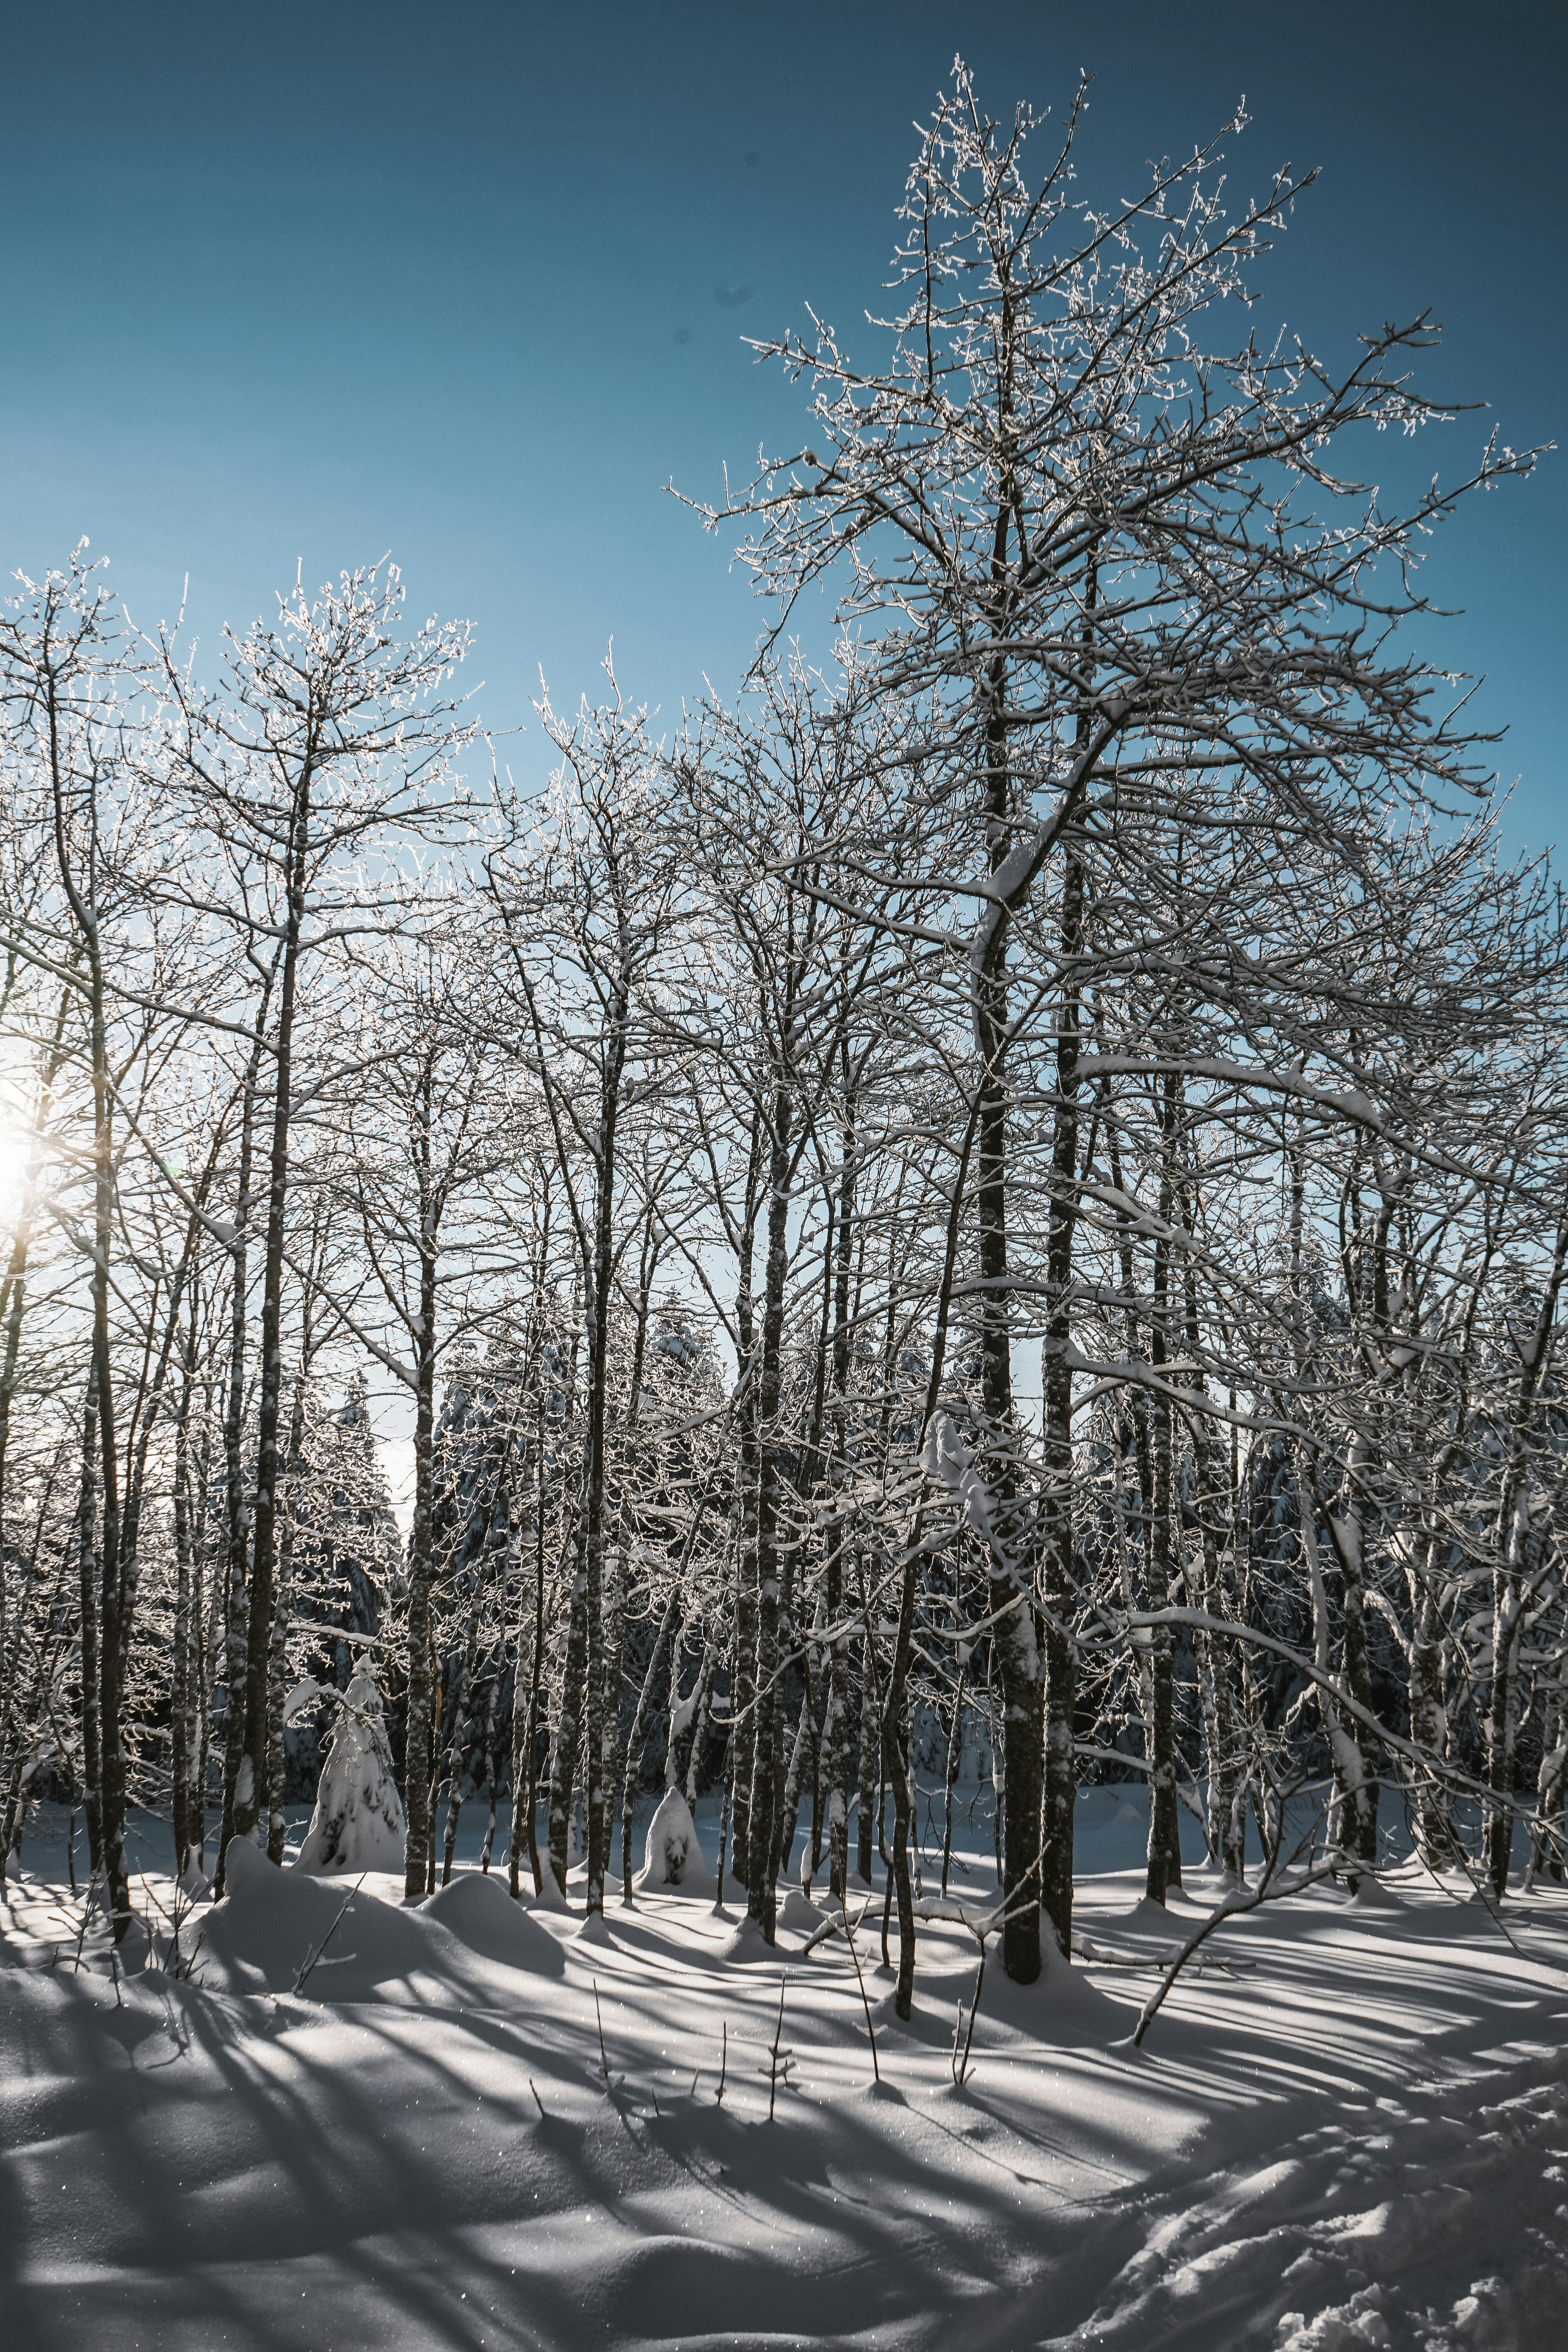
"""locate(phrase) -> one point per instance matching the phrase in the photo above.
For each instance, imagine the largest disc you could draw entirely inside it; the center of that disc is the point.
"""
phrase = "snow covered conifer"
(672, 1856)
(358, 1822)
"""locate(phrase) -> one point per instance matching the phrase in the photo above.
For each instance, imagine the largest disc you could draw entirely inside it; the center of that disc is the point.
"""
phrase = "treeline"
(1103, 969)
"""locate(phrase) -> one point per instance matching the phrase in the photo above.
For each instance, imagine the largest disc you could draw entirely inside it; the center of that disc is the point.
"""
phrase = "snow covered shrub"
(358, 1822)
(672, 1858)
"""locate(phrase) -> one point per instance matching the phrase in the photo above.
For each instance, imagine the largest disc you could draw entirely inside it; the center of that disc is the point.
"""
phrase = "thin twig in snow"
(314, 1956)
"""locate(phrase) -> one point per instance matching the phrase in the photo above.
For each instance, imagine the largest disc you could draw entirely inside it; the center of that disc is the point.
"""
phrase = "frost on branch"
(948, 1460)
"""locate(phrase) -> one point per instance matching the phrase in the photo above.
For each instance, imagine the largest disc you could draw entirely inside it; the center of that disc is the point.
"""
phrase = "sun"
(16, 1147)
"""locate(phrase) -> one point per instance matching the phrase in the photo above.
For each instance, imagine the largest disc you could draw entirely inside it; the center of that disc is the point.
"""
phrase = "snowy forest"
(970, 1229)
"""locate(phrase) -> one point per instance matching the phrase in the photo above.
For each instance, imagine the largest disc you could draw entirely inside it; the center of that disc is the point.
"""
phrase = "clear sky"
(469, 282)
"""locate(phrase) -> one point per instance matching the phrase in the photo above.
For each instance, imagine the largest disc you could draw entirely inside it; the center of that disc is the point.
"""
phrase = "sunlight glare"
(15, 1141)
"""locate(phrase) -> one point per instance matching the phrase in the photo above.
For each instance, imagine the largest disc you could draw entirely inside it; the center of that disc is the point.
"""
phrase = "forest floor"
(1354, 2132)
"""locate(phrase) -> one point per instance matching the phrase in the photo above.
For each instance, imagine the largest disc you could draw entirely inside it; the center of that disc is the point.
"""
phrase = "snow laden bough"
(358, 1822)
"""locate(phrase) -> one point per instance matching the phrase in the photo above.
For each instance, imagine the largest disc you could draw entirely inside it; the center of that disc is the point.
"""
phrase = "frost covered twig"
(780, 2061)
(844, 1926)
(961, 2068)
(313, 1959)
(181, 1965)
(607, 2080)
(1268, 1889)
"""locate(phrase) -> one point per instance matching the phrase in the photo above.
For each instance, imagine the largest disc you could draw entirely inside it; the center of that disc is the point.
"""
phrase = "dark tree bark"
(250, 1792)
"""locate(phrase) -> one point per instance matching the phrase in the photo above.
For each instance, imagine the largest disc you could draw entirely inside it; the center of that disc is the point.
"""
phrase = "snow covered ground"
(1353, 2133)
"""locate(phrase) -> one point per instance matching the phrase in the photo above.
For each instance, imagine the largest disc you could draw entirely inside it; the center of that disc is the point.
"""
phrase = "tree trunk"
(277, 1750)
(870, 1742)
(1060, 1792)
(111, 1626)
(87, 1560)
(417, 1756)
(899, 1775)
(742, 1737)
(799, 1756)
(527, 1674)
(182, 1710)
(458, 1745)
(1435, 1835)
(525, 1725)
(490, 1703)
(1011, 1581)
(231, 1591)
(250, 1788)
(638, 1739)
(599, 1276)
(1348, 1542)
(1165, 1819)
(704, 1699)
(568, 1720)
(13, 1297)
(763, 1821)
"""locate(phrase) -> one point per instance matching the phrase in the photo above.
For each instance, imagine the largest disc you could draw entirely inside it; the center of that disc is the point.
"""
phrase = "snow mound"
(1358, 2145)
(673, 1861)
(1148, 1918)
(358, 1822)
(1376, 1894)
(749, 1946)
(270, 1921)
(1063, 2008)
(478, 1910)
(800, 1913)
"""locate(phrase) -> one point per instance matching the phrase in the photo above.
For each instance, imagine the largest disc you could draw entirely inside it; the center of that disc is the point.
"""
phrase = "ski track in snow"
(1353, 2135)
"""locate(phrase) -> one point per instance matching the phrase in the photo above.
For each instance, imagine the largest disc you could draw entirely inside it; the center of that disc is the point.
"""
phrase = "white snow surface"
(1349, 2130)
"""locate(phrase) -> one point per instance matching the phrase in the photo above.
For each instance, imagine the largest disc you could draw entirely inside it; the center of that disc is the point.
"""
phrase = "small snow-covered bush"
(672, 1858)
(358, 1822)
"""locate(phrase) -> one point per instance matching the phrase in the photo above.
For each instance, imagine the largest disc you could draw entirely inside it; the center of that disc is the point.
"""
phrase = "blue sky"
(469, 283)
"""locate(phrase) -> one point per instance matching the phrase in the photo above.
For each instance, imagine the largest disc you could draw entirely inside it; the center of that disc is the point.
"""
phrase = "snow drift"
(478, 1910)
(271, 1923)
